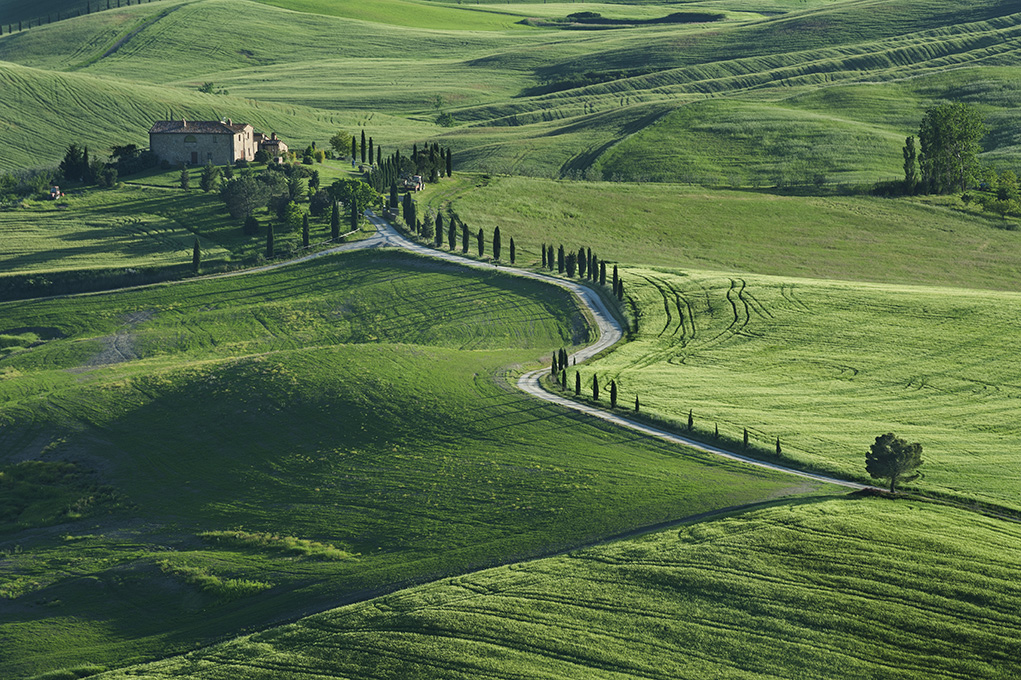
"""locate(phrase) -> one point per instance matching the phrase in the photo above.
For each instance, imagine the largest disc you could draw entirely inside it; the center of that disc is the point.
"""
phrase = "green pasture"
(823, 237)
(828, 366)
(414, 13)
(826, 589)
(237, 451)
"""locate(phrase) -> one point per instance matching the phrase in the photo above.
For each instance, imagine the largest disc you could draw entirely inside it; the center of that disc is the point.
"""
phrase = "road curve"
(610, 332)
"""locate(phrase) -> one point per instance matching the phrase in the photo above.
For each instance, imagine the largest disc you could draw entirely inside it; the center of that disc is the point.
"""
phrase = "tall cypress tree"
(354, 147)
(638, 406)
(496, 243)
(196, 257)
(779, 451)
(370, 150)
(613, 394)
(464, 237)
(481, 237)
(452, 234)
(269, 241)
(450, 164)
(543, 255)
(691, 421)
(354, 213)
(441, 233)
(595, 387)
(560, 260)
(304, 230)
(335, 222)
(393, 194)
(582, 263)
(512, 254)
(363, 146)
(602, 273)
(549, 257)
(379, 156)
(620, 290)
(616, 278)
(577, 383)
(745, 442)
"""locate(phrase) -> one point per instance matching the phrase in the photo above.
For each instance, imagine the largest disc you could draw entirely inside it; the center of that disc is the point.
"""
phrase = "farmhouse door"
(194, 157)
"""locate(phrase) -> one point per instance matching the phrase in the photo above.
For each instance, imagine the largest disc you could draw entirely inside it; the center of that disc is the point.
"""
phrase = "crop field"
(828, 366)
(535, 101)
(236, 450)
(819, 589)
(106, 229)
(825, 237)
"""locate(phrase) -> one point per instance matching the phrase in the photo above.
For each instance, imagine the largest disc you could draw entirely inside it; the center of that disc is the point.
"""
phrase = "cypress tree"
(616, 278)
(482, 242)
(577, 383)
(354, 213)
(185, 179)
(569, 263)
(464, 238)
(582, 263)
(716, 433)
(602, 273)
(452, 234)
(440, 231)
(543, 255)
(269, 241)
(393, 194)
(560, 260)
(196, 257)
(512, 250)
(563, 357)
(779, 451)
(251, 226)
(637, 405)
(406, 210)
(613, 394)
(379, 156)
(620, 290)
(553, 366)
(335, 222)
(549, 257)
(450, 164)
(589, 261)
(304, 231)
(691, 421)
(745, 443)
(563, 380)
(363, 146)
(595, 387)
(354, 147)
(496, 243)
(370, 150)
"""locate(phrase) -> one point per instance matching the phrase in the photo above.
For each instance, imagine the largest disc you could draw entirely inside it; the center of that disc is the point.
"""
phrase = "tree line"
(90, 7)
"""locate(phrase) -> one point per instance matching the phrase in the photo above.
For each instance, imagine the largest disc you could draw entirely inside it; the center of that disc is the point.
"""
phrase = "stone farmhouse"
(198, 142)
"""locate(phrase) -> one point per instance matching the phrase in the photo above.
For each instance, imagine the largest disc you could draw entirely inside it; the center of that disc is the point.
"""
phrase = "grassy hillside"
(339, 420)
(827, 367)
(855, 238)
(821, 590)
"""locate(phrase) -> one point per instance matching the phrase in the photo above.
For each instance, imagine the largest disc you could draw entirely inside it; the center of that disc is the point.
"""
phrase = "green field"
(348, 402)
(825, 237)
(832, 589)
(828, 366)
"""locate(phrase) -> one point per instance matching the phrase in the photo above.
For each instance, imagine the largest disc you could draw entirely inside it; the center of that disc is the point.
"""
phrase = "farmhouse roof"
(189, 127)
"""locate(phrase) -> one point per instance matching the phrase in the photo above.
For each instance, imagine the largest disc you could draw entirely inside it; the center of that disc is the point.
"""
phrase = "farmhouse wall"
(199, 142)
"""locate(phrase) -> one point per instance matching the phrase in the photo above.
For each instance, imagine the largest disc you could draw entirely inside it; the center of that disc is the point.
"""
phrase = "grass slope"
(862, 588)
(855, 238)
(338, 419)
(828, 366)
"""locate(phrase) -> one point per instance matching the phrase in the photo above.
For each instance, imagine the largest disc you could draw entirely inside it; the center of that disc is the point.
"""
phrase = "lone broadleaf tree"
(949, 137)
(893, 458)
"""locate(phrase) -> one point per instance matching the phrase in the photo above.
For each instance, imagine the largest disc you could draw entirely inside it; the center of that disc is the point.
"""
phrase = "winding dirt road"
(610, 332)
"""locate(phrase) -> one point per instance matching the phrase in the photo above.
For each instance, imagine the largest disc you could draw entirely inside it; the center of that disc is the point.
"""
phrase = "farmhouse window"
(190, 139)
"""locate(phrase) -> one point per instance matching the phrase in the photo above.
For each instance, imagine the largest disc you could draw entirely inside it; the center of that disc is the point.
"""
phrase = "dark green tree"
(744, 444)
(616, 278)
(496, 243)
(893, 458)
(441, 233)
(549, 257)
(949, 137)
(251, 227)
(543, 255)
(363, 146)
(691, 420)
(595, 387)
(379, 155)
(613, 394)
(196, 257)
(450, 164)
(577, 383)
(393, 195)
(356, 212)
(481, 238)
(779, 451)
(563, 380)
(910, 166)
(638, 406)
(269, 241)
(569, 262)
(335, 221)
(185, 179)
(354, 148)
(313, 181)
(602, 273)
(371, 155)
(716, 433)
(305, 235)
(620, 290)
(561, 260)
(451, 234)
(210, 173)
(464, 238)
(582, 263)
(512, 251)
